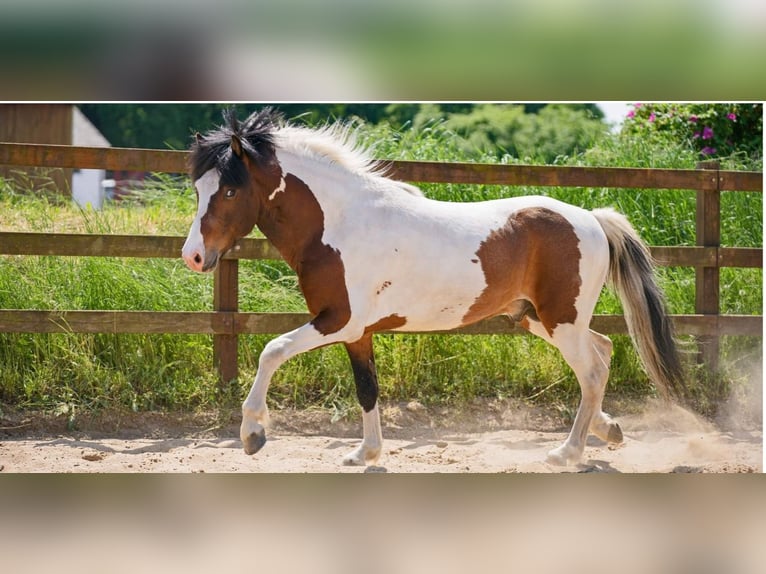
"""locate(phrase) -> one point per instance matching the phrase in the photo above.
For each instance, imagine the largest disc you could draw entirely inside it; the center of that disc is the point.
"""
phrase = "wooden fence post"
(707, 278)
(226, 299)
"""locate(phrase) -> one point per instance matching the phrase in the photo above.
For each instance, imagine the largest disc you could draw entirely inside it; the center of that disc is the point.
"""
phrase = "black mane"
(213, 150)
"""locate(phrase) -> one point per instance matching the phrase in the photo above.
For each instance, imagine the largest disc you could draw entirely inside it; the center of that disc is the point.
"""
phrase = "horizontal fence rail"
(169, 247)
(418, 171)
(239, 323)
(225, 323)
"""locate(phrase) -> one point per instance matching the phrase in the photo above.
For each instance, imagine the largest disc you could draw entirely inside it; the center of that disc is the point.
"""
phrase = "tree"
(538, 131)
(171, 126)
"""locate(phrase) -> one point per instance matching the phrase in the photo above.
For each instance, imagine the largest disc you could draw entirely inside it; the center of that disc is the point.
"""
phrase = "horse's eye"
(231, 193)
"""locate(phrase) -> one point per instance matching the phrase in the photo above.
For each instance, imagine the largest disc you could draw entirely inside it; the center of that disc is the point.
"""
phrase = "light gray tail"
(631, 271)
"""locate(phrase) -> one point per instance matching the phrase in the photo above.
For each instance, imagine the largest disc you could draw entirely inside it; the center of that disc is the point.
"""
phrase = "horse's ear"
(198, 137)
(236, 146)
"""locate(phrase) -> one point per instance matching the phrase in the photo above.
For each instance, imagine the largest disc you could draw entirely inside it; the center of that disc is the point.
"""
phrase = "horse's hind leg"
(366, 379)
(587, 353)
(602, 424)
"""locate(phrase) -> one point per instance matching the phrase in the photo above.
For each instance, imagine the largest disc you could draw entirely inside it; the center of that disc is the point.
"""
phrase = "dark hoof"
(615, 433)
(254, 442)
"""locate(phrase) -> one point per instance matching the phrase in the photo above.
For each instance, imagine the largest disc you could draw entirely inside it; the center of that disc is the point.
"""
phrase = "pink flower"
(732, 117)
(652, 117)
(707, 150)
(637, 105)
(707, 133)
(696, 135)
(631, 114)
(693, 119)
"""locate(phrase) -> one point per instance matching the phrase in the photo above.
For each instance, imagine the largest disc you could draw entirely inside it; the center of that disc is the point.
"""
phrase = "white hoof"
(564, 455)
(361, 456)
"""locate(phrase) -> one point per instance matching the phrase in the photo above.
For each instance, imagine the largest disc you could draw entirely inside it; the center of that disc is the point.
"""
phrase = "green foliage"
(549, 136)
(733, 131)
(162, 126)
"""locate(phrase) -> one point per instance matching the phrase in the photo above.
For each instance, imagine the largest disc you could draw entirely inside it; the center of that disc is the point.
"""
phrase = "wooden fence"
(225, 323)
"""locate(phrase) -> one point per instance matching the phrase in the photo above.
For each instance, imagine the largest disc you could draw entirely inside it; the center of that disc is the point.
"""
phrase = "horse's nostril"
(197, 258)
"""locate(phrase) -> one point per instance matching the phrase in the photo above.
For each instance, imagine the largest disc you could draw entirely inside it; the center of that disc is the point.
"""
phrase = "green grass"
(72, 373)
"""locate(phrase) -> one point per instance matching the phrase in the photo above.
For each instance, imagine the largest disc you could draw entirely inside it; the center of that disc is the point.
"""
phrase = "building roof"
(85, 133)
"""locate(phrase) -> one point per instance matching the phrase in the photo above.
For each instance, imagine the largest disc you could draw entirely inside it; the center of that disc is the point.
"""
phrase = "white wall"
(87, 188)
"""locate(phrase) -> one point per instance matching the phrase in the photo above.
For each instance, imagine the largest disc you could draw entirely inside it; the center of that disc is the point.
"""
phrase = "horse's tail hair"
(631, 271)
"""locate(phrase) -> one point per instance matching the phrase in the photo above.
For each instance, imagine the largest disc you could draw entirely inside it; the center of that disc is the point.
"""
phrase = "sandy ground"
(489, 438)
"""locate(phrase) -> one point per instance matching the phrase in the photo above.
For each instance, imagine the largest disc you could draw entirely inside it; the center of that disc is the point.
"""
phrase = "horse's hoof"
(254, 442)
(556, 459)
(352, 460)
(563, 456)
(615, 434)
(362, 456)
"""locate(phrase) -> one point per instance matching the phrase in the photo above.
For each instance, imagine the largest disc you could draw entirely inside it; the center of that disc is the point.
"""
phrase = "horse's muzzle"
(211, 261)
(199, 263)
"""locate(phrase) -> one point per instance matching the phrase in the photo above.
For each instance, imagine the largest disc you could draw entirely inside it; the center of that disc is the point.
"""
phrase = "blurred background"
(341, 50)
(384, 524)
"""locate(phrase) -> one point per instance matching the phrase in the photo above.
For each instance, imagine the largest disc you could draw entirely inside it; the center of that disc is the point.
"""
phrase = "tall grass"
(141, 372)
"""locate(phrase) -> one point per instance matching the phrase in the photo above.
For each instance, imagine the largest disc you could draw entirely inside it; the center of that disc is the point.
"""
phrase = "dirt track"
(495, 438)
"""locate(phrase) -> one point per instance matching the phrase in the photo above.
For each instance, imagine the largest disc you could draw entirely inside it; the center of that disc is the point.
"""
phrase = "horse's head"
(231, 168)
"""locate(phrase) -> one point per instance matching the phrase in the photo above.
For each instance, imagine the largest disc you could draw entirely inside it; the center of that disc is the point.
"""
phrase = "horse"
(374, 254)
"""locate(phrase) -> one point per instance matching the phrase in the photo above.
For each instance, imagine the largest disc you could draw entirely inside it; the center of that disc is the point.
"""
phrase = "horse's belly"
(429, 296)
(438, 320)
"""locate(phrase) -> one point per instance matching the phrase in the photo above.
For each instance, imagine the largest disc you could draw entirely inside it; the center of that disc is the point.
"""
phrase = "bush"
(712, 130)
(554, 133)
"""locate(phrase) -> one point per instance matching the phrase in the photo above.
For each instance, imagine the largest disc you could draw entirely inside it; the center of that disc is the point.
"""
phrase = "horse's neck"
(282, 236)
(294, 218)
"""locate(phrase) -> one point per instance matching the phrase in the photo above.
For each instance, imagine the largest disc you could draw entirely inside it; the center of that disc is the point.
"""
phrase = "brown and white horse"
(374, 254)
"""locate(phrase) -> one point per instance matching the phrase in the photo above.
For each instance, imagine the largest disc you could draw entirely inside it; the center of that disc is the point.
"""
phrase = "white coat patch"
(279, 189)
(206, 186)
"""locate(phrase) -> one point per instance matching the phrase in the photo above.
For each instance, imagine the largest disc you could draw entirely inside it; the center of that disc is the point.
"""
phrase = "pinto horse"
(374, 254)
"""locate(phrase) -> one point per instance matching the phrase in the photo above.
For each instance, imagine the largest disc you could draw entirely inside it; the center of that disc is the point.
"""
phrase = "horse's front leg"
(254, 411)
(366, 379)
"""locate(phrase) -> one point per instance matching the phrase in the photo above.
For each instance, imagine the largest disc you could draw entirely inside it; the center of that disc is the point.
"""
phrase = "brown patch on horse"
(534, 257)
(388, 323)
(294, 223)
(232, 219)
